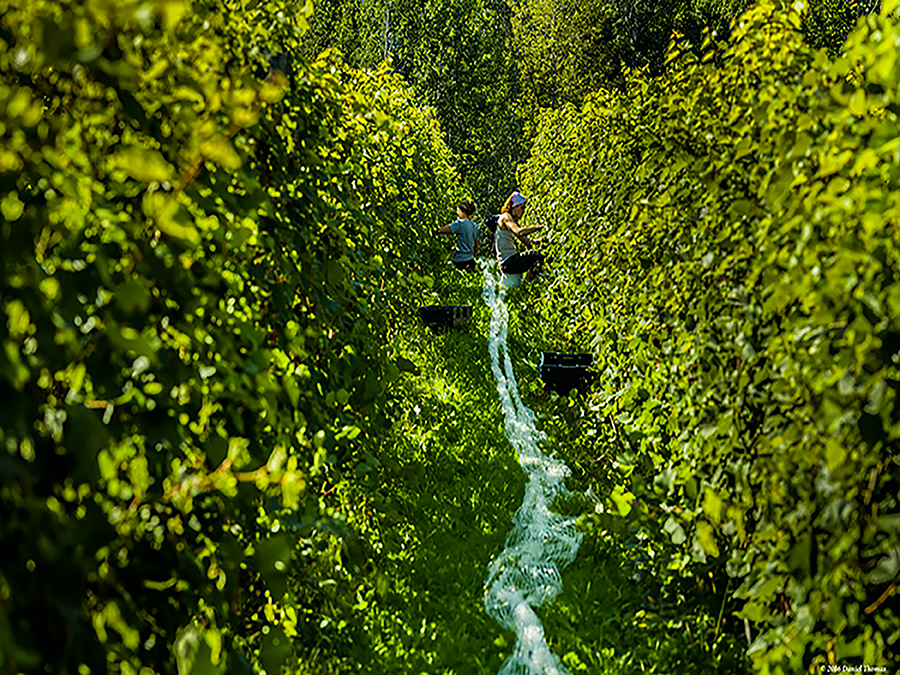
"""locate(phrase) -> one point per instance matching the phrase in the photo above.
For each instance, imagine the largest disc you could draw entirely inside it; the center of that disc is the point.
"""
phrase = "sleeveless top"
(506, 244)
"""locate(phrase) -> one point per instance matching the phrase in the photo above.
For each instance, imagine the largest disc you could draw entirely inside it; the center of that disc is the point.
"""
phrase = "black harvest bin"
(445, 317)
(564, 372)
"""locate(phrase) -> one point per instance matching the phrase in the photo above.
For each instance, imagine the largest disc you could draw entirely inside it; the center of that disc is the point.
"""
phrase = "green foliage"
(488, 68)
(621, 611)
(570, 48)
(458, 56)
(724, 240)
(644, 30)
(827, 23)
(229, 445)
(202, 262)
(566, 49)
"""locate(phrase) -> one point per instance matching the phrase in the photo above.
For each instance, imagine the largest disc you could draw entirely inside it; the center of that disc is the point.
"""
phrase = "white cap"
(517, 199)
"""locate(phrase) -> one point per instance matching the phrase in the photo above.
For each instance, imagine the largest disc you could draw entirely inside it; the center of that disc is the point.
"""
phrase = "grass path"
(457, 485)
(451, 485)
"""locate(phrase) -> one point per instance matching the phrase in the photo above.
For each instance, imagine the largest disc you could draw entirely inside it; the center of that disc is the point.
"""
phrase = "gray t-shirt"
(466, 235)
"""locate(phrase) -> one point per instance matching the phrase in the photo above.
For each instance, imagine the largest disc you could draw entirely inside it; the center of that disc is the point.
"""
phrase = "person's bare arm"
(443, 230)
(521, 232)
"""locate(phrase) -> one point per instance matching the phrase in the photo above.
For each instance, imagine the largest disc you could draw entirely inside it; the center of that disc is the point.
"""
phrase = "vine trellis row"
(527, 573)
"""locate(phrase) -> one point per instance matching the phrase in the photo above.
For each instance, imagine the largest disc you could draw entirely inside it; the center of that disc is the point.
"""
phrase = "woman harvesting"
(508, 230)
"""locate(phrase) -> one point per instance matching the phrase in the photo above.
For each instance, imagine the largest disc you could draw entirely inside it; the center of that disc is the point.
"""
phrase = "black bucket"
(564, 372)
(445, 317)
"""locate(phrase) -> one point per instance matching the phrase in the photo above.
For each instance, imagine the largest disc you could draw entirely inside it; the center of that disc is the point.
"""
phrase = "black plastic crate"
(445, 317)
(564, 372)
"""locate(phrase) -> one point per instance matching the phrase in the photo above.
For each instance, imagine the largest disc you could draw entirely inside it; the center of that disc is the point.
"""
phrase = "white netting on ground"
(527, 573)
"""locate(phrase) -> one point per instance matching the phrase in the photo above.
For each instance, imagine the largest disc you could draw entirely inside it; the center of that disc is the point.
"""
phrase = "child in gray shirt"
(466, 233)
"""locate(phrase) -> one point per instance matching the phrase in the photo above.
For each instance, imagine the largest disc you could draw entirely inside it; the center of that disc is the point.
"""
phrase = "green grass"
(448, 487)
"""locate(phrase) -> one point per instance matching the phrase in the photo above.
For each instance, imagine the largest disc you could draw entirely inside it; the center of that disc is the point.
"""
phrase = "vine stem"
(722, 607)
(884, 596)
